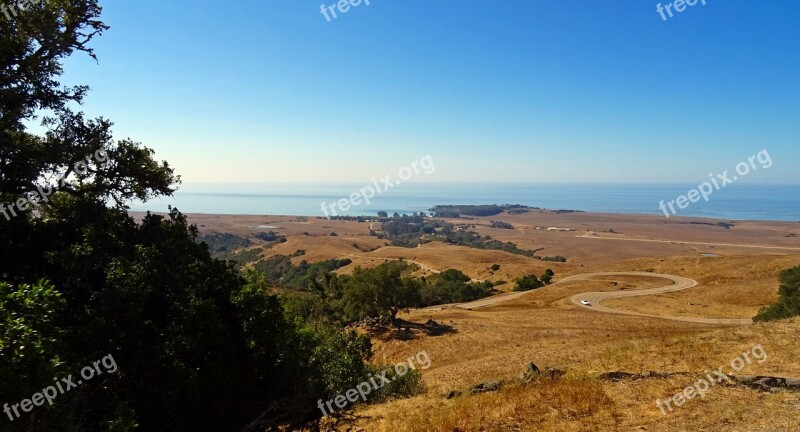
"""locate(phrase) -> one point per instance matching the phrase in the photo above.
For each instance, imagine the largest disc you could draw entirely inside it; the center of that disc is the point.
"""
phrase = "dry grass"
(565, 401)
(587, 404)
(496, 343)
(730, 287)
(581, 402)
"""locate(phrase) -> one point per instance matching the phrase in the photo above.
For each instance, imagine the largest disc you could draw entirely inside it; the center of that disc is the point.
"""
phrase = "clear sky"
(522, 90)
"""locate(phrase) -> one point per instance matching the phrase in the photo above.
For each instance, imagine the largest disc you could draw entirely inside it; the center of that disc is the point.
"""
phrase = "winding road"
(679, 283)
(385, 260)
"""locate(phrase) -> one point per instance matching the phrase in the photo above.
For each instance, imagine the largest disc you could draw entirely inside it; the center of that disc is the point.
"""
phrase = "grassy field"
(544, 327)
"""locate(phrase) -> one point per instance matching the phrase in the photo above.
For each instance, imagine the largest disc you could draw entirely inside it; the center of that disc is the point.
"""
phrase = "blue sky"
(528, 91)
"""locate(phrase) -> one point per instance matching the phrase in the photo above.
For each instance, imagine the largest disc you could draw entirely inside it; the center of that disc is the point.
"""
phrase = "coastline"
(745, 202)
(138, 213)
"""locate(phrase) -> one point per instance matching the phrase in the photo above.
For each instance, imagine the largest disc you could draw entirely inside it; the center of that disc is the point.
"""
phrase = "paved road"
(690, 242)
(385, 260)
(679, 283)
(421, 265)
(488, 301)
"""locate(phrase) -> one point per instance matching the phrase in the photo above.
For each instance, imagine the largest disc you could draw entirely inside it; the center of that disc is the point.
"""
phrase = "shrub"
(547, 277)
(789, 303)
(527, 283)
(502, 225)
(453, 286)
(407, 385)
(29, 347)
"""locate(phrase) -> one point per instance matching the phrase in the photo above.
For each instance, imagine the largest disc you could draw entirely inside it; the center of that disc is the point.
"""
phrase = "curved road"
(679, 283)
(421, 265)
(596, 298)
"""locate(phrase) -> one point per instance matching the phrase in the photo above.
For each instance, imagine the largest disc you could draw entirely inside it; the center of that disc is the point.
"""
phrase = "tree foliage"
(32, 49)
(788, 304)
(198, 346)
(453, 286)
(382, 290)
(30, 344)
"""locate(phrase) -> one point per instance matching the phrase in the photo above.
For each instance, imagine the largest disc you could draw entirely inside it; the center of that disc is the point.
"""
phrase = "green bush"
(789, 303)
(527, 283)
(547, 277)
(453, 286)
(383, 290)
(30, 348)
(407, 385)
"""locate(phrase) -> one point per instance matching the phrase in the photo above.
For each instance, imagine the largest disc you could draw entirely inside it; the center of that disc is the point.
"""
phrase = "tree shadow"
(407, 330)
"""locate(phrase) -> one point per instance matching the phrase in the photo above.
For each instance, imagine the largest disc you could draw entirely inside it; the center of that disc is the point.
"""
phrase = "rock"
(767, 383)
(619, 376)
(431, 324)
(453, 394)
(745, 379)
(793, 383)
(531, 372)
(485, 387)
(553, 373)
(480, 388)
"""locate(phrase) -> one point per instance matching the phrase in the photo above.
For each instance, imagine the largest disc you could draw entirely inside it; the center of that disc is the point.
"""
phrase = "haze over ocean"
(738, 202)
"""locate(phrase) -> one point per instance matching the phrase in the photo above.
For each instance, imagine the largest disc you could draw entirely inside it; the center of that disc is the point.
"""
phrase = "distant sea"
(736, 201)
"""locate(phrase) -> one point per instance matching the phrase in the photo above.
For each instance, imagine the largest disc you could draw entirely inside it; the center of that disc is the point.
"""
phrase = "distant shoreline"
(742, 202)
(550, 211)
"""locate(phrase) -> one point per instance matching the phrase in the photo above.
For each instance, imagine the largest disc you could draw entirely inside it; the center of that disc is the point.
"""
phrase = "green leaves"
(453, 286)
(33, 46)
(527, 283)
(788, 305)
(27, 313)
(382, 290)
(30, 342)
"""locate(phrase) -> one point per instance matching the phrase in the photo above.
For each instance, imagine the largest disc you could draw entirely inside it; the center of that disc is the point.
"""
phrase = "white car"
(586, 302)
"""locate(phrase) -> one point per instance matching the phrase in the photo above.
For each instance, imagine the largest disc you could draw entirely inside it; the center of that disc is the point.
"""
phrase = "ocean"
(735, 202)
